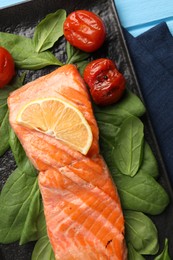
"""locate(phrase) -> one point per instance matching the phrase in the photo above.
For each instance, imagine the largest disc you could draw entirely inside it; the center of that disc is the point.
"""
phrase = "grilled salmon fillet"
(81, 205)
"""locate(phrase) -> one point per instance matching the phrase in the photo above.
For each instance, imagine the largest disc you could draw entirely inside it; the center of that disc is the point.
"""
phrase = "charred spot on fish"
(109, 241)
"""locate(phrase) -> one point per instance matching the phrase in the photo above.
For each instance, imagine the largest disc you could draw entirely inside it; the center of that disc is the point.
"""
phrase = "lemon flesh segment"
(59, 119)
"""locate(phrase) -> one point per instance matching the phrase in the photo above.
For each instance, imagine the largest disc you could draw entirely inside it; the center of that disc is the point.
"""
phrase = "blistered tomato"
(7, 69)
(84, 30)
(106, 83)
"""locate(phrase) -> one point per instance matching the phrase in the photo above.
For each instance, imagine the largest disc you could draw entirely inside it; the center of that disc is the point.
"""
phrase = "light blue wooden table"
(135, 15)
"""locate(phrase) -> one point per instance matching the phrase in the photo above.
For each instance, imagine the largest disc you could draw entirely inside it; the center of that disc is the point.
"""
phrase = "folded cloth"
(152, 57)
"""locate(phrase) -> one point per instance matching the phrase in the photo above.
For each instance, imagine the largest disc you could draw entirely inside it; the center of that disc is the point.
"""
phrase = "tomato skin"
(7, 68)
(84, 30)
(106, 83)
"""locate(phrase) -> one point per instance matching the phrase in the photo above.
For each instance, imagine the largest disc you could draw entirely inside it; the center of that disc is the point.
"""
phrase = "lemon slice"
(59, 119)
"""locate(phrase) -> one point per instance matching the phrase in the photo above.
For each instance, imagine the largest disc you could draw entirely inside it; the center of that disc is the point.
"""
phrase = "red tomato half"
(7, 69)
(105, 82)
(84, 30)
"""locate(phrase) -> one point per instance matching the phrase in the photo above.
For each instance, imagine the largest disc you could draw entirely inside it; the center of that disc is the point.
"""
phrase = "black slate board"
(22, 19)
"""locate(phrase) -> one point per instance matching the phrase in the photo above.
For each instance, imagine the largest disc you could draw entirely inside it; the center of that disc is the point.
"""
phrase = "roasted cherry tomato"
(84, 30)
(106, 83)
(7, 69)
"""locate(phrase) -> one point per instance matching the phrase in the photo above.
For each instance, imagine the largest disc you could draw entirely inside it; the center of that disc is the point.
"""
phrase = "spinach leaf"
(81, 66)
(15, 200)
(109, 132)
(75, 55)
(49, 30)
(165, 254)
(3, 112)
(4, 135)
(3, 96)
(23, 51)
(20, 157)
(17, 150)
(141, 233)
(43, 250)
(107, 135)
(129, 146)
(38, 61)
(141, 193)
(4, 93)
(30, 231)
(41, 223)
(133, 254)
(129, 105)
(149, 164)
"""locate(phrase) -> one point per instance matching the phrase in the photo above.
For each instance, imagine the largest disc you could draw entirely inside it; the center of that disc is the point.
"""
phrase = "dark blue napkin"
(152, 57)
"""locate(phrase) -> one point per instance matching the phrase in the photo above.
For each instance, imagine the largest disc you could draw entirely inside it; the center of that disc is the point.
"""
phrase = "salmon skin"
(81, 205)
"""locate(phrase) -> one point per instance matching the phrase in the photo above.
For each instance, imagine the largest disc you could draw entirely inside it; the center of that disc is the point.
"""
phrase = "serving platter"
(22, 19)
